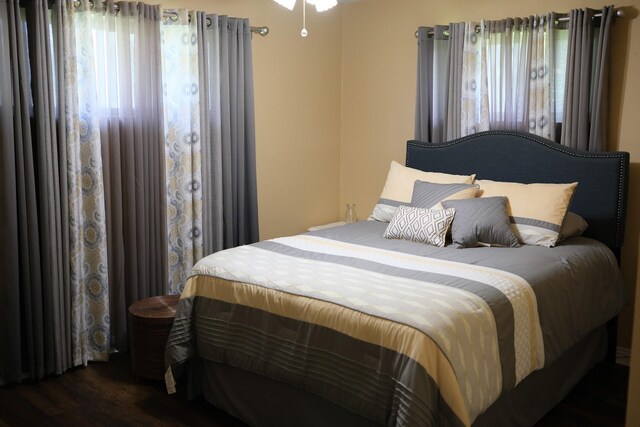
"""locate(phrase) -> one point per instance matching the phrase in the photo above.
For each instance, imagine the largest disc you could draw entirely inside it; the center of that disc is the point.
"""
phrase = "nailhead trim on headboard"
(621, 157)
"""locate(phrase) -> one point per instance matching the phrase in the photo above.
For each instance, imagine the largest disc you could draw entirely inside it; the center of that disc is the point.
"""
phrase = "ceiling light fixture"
(321, 6)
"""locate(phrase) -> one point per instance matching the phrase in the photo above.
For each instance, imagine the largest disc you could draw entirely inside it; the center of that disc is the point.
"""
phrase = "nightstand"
(321, 227)
(150, 322)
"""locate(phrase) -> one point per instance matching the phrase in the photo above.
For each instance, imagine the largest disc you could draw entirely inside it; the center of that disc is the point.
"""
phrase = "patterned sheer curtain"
(508, 76)
(542, 82)
(475, 93)
(183, 143)
(530, 74)
(91, 333)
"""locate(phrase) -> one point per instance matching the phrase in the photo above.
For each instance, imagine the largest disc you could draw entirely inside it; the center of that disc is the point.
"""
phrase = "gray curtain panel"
(600, 96)
(210, 121)
(51, 189)
(454, 95)
(441, 82)
(584, 123)
(132, 140)
(10, 343)
(34, 338)
(439, 85)
(424, 94)
(239, 189)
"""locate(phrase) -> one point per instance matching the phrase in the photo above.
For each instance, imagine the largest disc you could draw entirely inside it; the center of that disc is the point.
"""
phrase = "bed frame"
(601, 195)
(498, 155)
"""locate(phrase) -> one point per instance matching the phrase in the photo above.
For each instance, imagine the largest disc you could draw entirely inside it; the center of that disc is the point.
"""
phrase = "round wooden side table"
(150, 322)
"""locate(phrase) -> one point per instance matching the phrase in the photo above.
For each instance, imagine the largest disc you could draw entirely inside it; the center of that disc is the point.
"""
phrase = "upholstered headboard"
(600, 198)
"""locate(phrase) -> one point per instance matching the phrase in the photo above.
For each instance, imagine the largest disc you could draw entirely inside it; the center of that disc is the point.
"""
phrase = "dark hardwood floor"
(108, 394)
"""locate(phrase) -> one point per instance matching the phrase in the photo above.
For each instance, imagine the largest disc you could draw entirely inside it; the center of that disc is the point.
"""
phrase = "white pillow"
(398, 188)
(420, 225)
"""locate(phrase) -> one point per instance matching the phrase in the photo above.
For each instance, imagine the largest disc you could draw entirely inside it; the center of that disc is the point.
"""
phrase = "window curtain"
(475, 96)
(238, 140)
(584, 123)
(213, 222)
(508, 76)
(210, 137)
(454, 85)
(114, 144)
(489, 75)
(89, 172)
(436, 62)
(36, 336)
(511, 74)
(181, 50)
(509, 46)
(91, 333)
(125, 66)
(541, 80)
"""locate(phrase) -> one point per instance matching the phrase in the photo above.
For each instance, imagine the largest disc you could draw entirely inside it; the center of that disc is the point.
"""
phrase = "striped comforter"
(404, 333)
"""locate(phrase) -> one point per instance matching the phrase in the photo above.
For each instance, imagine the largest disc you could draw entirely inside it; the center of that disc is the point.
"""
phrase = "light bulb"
(287, 3)
(322, 5)
(304, 32)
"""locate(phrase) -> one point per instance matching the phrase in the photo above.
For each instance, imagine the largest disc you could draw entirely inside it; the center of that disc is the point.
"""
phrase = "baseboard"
(623, 356)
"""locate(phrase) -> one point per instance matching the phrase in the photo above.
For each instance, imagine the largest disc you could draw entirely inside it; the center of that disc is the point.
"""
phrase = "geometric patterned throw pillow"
(420, 225)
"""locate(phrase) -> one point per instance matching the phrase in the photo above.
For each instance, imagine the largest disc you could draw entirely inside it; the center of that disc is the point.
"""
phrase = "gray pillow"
(481, 221)
(572, 225)
(428, 195)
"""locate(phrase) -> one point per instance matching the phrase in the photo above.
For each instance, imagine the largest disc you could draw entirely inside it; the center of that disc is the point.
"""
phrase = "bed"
(343, 326)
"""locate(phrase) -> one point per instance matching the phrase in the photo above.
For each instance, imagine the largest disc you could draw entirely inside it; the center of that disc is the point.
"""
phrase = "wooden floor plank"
(108, 394)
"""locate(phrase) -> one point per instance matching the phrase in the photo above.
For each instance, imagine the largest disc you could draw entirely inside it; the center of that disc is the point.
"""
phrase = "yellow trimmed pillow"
(398, 189)
(536, 211)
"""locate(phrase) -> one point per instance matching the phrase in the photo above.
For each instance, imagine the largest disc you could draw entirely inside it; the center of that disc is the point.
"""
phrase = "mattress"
(400, 332)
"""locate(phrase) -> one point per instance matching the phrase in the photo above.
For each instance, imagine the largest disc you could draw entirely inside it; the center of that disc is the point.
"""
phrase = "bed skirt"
(260, 401)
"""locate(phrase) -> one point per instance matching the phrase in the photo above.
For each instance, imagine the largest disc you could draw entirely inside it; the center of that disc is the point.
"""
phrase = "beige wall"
(297, 105)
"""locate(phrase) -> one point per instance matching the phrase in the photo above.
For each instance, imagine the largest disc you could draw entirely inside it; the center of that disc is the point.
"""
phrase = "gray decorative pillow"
(481, 221)
(429, 195)
(572, 225)
(420, 225)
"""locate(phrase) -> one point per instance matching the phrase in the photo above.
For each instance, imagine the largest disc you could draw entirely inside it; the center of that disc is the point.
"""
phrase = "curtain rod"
(562, 17)
(263, 31)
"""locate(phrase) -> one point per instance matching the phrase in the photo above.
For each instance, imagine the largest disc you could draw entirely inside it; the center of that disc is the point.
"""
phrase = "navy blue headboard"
(601, 195)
